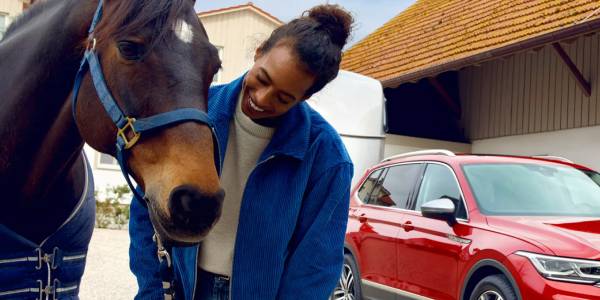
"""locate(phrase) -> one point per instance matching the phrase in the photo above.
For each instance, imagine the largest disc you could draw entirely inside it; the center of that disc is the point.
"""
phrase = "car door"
(380, 217)
(429, 249)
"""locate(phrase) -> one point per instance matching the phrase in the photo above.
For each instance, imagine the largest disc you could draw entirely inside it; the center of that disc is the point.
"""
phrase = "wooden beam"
(583, 84)
(454, 107)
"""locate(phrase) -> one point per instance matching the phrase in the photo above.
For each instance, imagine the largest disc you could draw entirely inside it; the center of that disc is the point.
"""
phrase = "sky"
(368, 14)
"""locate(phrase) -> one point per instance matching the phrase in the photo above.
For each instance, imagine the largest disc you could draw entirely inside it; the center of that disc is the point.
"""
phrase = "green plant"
(110, 212)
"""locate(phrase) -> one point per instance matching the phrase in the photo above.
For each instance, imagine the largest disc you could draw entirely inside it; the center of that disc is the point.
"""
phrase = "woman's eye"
(262, 81)
(131, 50)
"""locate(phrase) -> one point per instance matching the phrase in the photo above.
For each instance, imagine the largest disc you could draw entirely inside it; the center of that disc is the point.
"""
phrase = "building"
(9, 10)
(236, 31)
(512, 77)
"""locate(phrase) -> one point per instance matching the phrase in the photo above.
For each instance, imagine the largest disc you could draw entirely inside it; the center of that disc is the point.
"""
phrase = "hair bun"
(335, 20)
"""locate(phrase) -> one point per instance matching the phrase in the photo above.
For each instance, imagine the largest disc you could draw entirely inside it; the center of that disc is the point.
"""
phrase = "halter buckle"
(122, 133)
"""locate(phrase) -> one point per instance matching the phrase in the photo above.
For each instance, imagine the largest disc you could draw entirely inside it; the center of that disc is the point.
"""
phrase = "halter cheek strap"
(129, 131)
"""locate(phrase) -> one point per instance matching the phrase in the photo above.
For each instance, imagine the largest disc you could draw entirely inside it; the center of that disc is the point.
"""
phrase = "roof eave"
(569, 32)
(257, 10)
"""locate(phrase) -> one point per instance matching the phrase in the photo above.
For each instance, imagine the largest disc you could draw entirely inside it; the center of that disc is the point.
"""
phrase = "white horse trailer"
(355, 106)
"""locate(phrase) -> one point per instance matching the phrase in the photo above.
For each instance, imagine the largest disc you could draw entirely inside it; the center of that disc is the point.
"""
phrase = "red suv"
(435, 225)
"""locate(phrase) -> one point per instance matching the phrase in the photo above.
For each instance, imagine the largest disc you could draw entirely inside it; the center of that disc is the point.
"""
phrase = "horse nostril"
(194, 209)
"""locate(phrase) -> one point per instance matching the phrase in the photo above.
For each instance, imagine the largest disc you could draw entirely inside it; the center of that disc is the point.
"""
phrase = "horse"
(155, 58)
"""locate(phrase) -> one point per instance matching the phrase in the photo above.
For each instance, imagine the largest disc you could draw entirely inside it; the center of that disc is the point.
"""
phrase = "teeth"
(254, 106)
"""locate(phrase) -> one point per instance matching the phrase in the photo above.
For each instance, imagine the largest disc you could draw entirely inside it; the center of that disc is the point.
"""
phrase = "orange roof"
(248, 5)
(434, 34)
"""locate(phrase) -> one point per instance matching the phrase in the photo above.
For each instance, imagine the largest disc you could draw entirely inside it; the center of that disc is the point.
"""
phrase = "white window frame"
(103, 166)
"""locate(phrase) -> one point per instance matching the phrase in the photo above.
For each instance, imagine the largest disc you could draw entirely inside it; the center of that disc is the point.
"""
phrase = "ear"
(257, 54)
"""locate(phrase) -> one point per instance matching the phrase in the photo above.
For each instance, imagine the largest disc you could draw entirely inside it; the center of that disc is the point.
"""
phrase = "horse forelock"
(128, 16)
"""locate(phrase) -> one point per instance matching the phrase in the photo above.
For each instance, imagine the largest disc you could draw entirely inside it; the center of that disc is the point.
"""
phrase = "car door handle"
(408, 226)
(362, 218)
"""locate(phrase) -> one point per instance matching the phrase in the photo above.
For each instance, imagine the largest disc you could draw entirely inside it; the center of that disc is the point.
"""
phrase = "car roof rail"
(421, 152)
(553, 157)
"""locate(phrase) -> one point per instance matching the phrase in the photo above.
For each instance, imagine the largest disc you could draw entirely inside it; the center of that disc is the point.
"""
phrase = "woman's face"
(276, 83)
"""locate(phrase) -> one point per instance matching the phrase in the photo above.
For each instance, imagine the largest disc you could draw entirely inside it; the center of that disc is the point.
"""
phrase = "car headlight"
(565, 269)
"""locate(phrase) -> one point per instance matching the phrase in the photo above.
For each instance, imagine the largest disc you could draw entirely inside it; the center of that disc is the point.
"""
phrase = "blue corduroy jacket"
(293, 216)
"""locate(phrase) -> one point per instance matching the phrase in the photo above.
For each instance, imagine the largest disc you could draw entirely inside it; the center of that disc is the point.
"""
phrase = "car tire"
(348, 286)
(494, 287)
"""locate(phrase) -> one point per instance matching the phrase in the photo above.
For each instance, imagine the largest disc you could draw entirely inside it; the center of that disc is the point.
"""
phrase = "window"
(526, 189)
(105, 161)
(439, 182)
(368, 185)
(217, 78)
(3, 24)
(395, 185)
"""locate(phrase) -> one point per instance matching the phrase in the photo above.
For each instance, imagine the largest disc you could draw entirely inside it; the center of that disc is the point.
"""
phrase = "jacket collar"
(291, 138)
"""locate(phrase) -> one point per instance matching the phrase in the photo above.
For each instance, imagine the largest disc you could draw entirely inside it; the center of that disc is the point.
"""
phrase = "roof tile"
(434, 32)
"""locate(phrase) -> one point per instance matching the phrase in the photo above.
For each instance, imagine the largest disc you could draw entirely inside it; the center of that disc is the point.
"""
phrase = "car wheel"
(493, 287)
(348, 287)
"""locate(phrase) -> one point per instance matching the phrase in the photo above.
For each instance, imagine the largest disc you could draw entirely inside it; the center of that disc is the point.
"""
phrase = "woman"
(286, 175)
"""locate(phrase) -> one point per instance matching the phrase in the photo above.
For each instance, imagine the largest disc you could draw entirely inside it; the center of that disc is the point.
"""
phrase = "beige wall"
(580, 145)
(531, 92)
(239, 33)
(397, 144)
(11, 7)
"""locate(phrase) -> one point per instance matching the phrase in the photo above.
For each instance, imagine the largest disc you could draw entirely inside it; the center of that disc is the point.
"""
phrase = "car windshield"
(534, 189)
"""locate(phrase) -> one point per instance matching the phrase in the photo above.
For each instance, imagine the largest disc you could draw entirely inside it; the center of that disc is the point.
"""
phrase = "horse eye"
(131, 50)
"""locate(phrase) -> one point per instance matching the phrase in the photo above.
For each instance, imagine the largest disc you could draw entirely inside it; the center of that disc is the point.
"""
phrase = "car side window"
(367, 186)
(394, 186)
(439, 182)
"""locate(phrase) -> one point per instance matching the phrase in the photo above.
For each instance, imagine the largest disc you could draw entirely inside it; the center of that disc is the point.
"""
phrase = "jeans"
(212, 286)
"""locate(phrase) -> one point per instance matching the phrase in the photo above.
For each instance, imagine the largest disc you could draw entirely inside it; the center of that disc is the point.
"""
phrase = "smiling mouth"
(253, 105)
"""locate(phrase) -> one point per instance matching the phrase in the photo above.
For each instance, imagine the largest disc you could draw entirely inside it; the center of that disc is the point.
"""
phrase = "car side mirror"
(440, 209)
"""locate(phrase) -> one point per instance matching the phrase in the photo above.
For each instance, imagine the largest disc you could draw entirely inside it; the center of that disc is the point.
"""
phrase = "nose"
(194, 210)
(265, 97)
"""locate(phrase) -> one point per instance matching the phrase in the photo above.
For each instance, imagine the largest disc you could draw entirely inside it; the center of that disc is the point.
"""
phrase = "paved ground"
(107, 274)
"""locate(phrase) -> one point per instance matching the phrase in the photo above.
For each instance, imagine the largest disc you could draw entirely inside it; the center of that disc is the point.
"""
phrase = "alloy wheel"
(345, 287)
(490, 295)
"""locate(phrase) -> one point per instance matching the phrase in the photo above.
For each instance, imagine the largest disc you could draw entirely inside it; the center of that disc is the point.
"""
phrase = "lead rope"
(166, 268)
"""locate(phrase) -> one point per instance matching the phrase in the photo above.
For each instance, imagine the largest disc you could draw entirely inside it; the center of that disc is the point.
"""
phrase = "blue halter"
(129, 129)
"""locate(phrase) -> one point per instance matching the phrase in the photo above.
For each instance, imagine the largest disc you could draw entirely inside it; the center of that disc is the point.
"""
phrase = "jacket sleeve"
(143, 261)
(315, 262)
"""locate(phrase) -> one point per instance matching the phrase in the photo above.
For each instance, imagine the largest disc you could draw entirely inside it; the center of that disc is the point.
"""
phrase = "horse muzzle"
(191, 215)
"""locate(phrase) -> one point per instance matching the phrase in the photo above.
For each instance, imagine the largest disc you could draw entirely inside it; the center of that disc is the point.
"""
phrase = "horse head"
(156, 58)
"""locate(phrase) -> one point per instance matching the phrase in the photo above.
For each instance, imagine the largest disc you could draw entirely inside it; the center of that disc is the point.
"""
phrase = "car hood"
(562, 236)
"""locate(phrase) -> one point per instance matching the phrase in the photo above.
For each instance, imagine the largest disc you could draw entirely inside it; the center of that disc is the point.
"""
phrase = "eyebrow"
(264, 72)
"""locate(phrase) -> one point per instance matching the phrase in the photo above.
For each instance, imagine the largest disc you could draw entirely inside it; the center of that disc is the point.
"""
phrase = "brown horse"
(156, 58)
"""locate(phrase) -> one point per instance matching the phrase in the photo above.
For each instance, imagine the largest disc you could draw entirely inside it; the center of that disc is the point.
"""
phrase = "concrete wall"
(396, 144)
(238, 33)
(581, 145)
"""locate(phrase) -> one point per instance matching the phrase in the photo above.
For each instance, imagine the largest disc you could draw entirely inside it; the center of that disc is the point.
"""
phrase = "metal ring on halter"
(164, 254)
(93, 42)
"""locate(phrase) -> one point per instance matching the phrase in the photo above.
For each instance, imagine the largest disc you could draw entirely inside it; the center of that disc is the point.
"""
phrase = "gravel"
(107, 274)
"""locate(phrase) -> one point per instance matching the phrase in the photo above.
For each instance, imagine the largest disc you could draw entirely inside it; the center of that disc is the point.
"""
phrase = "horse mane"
(127, 16)
(122, 18)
